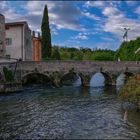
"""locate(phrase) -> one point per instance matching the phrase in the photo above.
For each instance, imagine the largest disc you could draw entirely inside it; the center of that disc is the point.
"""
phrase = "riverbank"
(9, 87)
(130, 92)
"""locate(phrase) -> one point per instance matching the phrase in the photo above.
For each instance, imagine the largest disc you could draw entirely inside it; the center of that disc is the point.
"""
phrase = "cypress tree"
(46, 35)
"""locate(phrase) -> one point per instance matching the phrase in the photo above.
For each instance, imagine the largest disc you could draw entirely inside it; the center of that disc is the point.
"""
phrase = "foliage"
(46, 35)
(127, 50)
(8, 74)
(56, 54)
(85, 54)
(131, 91)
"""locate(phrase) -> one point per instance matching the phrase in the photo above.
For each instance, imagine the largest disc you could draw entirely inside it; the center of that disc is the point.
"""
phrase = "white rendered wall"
(14, 50)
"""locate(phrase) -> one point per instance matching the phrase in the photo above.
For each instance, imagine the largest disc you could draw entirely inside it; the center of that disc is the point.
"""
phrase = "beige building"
(2, 35)
(19, 41)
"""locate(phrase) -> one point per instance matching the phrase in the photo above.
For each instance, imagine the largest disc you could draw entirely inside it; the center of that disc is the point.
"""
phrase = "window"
(8, 56)
(8, 41)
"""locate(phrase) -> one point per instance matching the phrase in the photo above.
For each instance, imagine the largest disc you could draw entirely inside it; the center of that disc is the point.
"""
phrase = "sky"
(88, 24)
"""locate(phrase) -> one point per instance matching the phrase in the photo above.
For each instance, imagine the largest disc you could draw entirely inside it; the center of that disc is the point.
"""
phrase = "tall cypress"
(46, 35)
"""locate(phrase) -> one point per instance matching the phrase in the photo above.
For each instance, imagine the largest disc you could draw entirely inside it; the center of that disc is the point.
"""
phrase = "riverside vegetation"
(130, 92)
(126, 52)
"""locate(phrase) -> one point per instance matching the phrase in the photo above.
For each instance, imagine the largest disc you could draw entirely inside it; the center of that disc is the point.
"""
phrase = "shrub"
(130, 92)
(8, 74)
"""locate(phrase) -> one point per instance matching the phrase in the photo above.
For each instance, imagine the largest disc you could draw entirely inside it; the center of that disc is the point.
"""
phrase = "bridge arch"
(35, 78)
(71, 78)
(123, 77)
(104, 77)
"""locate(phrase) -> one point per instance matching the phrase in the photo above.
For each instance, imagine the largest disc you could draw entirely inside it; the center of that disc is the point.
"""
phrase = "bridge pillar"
(111, 80)
(56, 79)
(85, 79)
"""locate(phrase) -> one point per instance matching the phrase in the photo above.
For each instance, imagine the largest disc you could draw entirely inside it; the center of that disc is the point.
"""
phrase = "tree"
(56, 54)
(46, 35)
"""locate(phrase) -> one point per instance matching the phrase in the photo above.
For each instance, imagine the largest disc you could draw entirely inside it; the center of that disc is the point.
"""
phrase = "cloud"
(91, 16)
(111, 11)
(138, 10)
(116, 21)
(82, 37)
(108, 39)
(58, 13)
(98, 4)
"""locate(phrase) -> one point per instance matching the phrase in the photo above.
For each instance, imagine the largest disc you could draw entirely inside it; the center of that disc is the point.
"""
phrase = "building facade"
(19, 41)
(36, 47)
(2, 35)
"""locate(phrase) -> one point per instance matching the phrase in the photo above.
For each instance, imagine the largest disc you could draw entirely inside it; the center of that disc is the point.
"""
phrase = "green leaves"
(46, 35)
(126, 52)
(8, 74)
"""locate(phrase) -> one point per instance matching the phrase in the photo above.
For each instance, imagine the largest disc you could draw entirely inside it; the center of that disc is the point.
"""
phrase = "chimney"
(38, 34)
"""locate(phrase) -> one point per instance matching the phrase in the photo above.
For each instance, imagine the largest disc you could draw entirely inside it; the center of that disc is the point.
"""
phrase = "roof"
(1, 15)
(16, 23)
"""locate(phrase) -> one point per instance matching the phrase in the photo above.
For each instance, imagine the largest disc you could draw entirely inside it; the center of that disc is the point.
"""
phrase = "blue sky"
(92, 24)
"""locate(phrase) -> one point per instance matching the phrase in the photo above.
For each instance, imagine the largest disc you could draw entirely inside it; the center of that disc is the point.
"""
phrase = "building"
(19, 41)
(36, 47)
(2, 35)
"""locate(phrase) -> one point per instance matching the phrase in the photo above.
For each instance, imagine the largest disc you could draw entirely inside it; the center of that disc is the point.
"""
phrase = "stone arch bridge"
(55, 70)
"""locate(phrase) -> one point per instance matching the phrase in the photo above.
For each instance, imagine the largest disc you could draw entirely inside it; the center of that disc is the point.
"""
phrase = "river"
(67, 112)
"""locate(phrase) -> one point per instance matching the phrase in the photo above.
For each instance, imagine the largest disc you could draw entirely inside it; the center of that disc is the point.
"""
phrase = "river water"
(66, 112)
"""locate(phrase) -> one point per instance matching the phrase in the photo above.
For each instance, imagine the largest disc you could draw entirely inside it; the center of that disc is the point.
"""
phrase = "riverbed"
(66, 113)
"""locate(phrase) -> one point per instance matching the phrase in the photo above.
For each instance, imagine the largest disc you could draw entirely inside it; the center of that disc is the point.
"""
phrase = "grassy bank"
(130, 92)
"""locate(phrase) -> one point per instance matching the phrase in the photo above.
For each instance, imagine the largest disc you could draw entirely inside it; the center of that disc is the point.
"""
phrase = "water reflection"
(96, 91)
(97, 80)
(120, 81)
(78, 82)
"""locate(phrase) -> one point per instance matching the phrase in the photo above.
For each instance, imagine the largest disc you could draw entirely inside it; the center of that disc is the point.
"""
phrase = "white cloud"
(91, 16)
(98, 4)
(138, 10)
(116, 21)
(107, 39)
(109, 11)
(58, 14)
(80, 36)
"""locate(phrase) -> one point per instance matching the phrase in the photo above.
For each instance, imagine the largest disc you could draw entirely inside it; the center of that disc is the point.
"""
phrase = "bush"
(8, 74)
(56, 54)
(130, 92)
